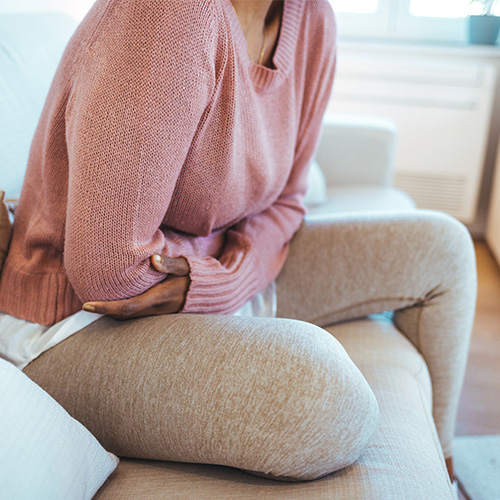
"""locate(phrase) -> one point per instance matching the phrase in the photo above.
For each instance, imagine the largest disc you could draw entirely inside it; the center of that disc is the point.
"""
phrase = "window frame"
(393, 21)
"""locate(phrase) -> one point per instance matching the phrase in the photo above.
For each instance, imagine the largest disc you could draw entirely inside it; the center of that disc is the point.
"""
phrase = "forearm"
(253, 255)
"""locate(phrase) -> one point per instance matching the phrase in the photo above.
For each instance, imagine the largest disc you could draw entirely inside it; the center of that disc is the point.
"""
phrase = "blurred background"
(429, 66)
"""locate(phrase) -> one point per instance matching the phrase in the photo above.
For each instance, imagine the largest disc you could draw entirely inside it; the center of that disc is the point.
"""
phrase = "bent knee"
(322, 418)
(443, 236)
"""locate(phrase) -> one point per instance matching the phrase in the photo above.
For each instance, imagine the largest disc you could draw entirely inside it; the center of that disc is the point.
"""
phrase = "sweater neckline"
(262, 77)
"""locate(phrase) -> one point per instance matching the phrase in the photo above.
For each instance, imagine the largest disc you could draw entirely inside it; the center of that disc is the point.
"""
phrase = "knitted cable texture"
(159, 135)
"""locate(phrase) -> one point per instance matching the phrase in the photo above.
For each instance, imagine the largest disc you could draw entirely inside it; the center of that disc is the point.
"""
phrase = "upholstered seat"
(403, 461)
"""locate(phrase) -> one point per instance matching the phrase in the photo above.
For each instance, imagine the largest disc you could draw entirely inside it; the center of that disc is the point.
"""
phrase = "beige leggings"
(277, 396)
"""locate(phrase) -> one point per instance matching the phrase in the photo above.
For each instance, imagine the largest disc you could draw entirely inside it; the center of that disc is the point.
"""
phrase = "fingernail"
(88, 308)
(158, 258)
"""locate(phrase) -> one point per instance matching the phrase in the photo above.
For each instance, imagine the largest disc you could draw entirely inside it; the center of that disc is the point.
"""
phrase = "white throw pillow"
(316, 190)
(45, 454)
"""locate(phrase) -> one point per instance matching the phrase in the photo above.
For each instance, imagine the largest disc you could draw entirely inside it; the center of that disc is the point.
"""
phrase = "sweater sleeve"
(256, 247)
(141, 88)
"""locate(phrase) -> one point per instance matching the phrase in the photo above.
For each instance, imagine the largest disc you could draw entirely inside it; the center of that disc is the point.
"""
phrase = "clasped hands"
(166, 297)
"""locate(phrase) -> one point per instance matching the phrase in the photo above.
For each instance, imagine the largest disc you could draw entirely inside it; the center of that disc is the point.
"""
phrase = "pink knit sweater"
(159, 135)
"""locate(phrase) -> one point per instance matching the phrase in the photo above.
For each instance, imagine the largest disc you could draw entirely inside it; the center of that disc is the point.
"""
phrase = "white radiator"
(442, 110)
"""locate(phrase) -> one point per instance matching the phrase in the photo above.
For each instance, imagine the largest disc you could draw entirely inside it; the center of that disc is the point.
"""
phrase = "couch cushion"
(404, 459)
(375, 341)
(45, 453)
(28, 65)
(362, 198)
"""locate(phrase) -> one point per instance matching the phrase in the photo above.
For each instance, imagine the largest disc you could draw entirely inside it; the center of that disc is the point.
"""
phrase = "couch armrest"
(356, 149)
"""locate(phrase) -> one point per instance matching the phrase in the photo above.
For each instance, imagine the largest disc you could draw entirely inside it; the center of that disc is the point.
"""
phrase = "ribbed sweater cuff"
(215, 289)
(40, 298)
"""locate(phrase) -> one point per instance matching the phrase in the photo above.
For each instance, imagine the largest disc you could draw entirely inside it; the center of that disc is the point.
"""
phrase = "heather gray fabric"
(270, 395)
(419, 263)
(275, 396)
(403, 460)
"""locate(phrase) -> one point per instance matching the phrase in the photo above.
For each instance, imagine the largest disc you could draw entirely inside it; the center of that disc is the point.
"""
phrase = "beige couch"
(415, 369)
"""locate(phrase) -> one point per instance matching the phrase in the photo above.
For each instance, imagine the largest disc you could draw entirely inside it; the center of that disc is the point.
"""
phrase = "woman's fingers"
(175, 266)
(164, 298)
(123, 308)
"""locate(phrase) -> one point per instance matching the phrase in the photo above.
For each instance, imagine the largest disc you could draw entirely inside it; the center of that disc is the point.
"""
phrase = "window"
(361, 18)
(73, 8)
(418, 20)
(439, 8)
(356, 6)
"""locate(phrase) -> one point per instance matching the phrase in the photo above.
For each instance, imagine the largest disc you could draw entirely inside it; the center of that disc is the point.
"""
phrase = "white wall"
(74, 8)
(442, 111)
(493, 232)
(453, 56)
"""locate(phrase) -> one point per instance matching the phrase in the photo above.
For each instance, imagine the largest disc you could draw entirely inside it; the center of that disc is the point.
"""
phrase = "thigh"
(353, 265)
(269, 395)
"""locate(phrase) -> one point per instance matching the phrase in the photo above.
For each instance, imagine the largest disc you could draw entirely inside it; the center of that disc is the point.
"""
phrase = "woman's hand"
(166, 297)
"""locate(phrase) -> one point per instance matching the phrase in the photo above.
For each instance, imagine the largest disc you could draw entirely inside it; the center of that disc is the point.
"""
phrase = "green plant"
(485, 5)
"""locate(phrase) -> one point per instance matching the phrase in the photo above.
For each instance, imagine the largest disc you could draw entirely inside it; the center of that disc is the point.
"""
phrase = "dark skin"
(167, 297)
